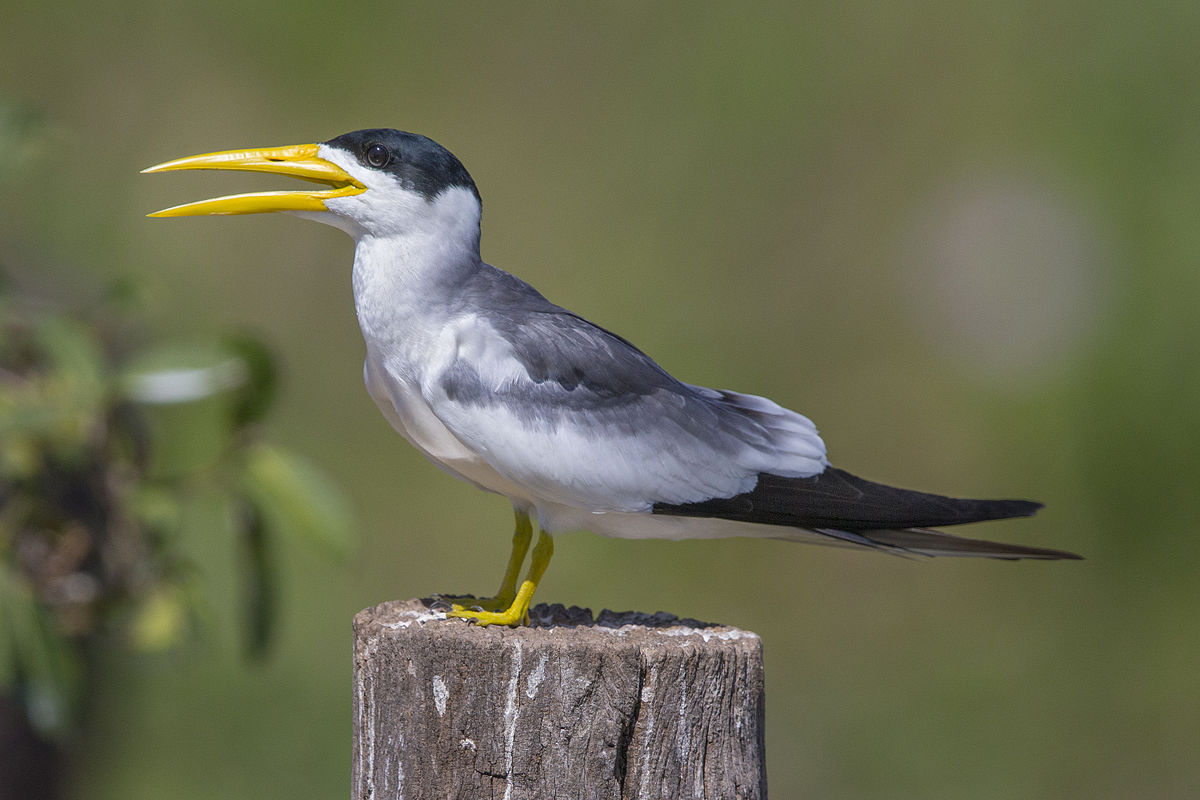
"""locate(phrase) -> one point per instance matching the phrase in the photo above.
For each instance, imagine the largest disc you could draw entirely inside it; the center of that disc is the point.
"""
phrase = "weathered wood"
(623, 706)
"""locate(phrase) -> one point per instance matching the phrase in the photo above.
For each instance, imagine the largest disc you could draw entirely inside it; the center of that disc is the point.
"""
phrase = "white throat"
(404, 271)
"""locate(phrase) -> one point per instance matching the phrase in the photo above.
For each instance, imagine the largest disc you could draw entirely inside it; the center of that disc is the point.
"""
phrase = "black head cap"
(418, 162)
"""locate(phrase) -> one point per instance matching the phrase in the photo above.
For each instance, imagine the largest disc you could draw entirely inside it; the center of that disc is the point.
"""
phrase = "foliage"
(22, 135)
(102, 444)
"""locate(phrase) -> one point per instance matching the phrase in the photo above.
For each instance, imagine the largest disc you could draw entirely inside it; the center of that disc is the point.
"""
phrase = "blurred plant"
(22, 135)
(103, 444)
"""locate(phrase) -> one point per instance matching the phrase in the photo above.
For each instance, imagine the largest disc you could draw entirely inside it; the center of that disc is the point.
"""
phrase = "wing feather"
(581, 417)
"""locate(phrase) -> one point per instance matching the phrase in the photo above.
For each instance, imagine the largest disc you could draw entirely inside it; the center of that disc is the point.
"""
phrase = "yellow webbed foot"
(517, 613)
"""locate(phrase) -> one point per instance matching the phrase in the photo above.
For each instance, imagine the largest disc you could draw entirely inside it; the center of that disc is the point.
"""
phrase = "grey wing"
(579, 416)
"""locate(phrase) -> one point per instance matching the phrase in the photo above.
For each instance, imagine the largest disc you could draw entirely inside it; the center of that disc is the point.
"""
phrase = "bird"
(501, 388)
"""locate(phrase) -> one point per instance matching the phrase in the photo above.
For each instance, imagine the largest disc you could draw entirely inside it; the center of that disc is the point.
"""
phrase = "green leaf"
(255, 396)
(22, 132)
(162, 620)
(157, 508)
(186, 395)
(73, 384)
(20, 416)
(260, 593)
(9, 670)
(20, 457)
(168, 374)
(297, 499)
(72, 352)
(44, 668)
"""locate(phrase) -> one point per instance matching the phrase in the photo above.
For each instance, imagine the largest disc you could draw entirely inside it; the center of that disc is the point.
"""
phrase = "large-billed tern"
(502, 388)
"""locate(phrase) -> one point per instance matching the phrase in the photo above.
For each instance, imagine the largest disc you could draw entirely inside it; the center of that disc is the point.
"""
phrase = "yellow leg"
(517, 612)
(522, 536)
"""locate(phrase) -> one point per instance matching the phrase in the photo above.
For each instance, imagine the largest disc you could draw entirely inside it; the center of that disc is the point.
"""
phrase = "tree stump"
(621, 706)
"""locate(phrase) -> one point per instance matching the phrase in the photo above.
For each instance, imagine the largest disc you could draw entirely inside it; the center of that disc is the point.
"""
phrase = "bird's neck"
(399, 279)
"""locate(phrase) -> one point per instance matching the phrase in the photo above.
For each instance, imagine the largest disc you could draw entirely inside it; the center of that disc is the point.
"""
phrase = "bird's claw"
(510, 616)
(441, 604)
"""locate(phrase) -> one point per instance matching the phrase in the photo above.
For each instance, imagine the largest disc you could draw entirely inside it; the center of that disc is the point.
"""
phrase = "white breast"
(406, 410)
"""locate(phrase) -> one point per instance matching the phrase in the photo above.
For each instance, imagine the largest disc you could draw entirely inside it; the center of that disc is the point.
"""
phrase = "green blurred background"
(963, 237)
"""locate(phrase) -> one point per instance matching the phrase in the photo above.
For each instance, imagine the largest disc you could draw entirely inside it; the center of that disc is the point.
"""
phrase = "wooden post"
(624, 706)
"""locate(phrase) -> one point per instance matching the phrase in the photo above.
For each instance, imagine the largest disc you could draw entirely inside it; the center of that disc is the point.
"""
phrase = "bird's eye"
(377, 155)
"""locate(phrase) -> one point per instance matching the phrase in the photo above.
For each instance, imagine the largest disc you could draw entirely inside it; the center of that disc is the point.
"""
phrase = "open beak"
(299, 161)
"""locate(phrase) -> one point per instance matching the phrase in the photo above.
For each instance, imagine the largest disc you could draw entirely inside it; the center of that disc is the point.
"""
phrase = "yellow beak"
(299, 161)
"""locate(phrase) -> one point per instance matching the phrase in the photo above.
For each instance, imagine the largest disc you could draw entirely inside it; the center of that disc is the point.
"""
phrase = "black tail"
(837, 499)
(845, 507)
